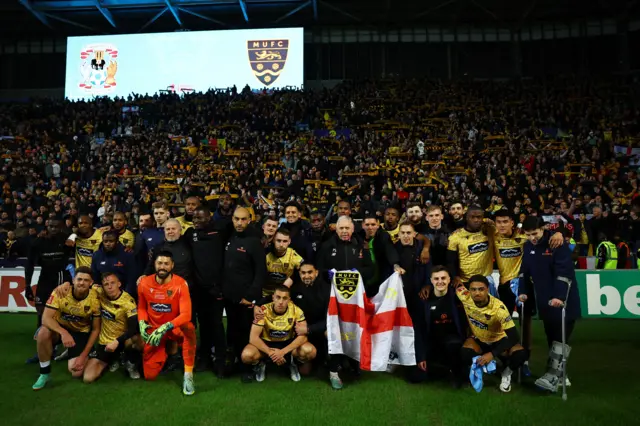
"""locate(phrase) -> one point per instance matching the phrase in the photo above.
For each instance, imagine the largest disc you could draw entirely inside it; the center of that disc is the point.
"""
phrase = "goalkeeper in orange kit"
(164, 313)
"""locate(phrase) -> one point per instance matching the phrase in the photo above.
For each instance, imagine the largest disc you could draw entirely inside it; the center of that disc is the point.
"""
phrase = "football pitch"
(603, 368)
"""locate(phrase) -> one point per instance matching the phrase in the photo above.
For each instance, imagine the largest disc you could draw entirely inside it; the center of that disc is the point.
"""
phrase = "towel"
(475, 373)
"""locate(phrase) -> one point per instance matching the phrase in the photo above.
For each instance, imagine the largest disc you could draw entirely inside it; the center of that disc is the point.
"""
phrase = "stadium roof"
(82, 17)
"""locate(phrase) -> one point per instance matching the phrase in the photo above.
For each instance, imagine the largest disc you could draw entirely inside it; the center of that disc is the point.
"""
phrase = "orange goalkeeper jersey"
(162, 303)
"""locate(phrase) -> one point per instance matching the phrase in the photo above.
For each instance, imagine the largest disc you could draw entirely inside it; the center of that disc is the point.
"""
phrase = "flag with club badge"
(377, 331)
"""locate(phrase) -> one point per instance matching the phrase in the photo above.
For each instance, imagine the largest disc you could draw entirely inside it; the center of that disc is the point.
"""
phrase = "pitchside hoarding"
(611, 294)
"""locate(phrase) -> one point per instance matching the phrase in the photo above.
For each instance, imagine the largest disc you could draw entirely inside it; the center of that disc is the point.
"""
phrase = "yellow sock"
(188, 368)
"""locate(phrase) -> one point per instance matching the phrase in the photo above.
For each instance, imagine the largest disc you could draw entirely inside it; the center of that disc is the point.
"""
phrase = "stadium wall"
(603, 294)
(436, 52)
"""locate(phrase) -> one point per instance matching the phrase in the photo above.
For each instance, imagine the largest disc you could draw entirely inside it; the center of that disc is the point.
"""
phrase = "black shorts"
(278, 345)
(488, 347)
(81, 340)
(101, 354)
(507, 297)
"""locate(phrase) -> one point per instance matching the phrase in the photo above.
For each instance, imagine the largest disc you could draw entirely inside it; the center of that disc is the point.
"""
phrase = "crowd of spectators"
(561, 148)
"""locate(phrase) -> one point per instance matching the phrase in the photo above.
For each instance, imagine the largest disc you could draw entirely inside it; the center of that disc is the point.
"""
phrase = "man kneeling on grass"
(274, 337)
(494, 333)
(74, 320)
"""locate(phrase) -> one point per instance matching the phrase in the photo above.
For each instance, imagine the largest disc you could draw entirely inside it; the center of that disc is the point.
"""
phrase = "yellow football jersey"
(74, 314)
(394, 234)
(280, 328)
(475, 253)
(488, 324)
(279, 269)
(127, 239)
(115, 314)
(184, 223)
(508, 252)
(85, 247)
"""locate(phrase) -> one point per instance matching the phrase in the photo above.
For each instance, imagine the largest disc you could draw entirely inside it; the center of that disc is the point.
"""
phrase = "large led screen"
(120, 65)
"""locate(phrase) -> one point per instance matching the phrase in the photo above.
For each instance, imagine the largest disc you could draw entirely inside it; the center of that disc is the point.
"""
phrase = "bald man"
(343, 252)
(179, 247)
(245, 272)
(186, 220)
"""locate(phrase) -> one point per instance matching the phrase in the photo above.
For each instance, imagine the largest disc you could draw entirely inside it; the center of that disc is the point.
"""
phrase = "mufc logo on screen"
(267, 59)
(98, 68)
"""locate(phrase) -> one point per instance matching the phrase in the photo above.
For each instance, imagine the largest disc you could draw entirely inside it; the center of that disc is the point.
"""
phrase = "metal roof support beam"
(434, 8)
(70, 22)
(243, 7)
(340, 11)
(314, 4)
(154, 19)
(485, 10)
(39, 15)
(106, 13)
(293, 12)
(174, 11)
(201, 16)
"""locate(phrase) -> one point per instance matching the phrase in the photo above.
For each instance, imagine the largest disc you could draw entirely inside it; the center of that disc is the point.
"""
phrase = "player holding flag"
(164, 313)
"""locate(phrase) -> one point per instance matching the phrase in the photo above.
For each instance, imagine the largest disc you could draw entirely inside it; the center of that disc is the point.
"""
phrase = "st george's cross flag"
(376, 331)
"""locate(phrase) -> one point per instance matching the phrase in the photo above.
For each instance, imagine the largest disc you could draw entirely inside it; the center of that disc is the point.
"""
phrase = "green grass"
(603, 366)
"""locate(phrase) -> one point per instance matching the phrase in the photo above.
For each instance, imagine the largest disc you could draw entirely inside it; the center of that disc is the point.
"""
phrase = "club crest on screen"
(267, 59)
(347, 283)
(98, 68)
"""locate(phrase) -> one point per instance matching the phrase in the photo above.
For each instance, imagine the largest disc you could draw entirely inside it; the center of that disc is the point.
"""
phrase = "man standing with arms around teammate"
(74, 320)
(164, 313)
(493, 332)
(554, 279)
(275, 336)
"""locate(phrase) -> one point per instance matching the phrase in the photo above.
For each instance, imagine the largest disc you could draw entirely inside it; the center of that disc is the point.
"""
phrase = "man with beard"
(299, 230)
(164, 313)
(470, 250)
(186, 220)
(390, 225)
(244, 274)
(438, 234)
(282, 263)
(384, 256)
(319, 231)
(414, 216)
(456, 216)
(119, 225)
(343, 252)
(113, 258)
(207, 242)
(224, 212)
(73, 320)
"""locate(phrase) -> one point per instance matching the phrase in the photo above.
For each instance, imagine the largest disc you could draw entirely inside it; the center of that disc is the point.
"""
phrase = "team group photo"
(316, 211)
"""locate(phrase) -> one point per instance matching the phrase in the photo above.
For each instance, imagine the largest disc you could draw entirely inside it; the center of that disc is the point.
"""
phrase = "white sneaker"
(132, 371)
(505, 384)
(259, 370)
(293, 368)
(113, 367)
(567, 383)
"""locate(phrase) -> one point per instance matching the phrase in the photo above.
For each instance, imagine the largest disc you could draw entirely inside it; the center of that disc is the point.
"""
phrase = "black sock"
(46, 370)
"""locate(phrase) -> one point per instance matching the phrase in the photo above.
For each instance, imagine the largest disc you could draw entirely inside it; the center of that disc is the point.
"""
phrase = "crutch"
(564, 353)
(521, 334)
(564, 343)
